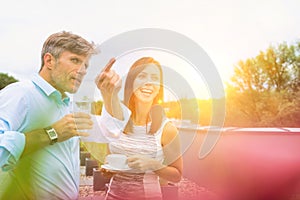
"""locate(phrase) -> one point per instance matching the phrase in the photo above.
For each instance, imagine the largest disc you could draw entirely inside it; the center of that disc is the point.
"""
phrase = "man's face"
(68, 72)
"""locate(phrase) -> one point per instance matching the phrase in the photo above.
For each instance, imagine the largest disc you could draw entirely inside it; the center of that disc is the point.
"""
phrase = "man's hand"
(65, 128)
(71, 124)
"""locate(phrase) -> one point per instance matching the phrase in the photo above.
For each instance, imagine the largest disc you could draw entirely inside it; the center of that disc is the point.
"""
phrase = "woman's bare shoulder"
(170, 132)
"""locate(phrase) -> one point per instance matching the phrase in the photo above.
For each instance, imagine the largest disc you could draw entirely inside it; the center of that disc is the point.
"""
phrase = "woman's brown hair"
(137, 67)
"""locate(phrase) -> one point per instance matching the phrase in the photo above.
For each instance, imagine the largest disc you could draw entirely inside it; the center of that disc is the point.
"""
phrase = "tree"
(243, 92)
(5, 80)
(295, 82)
(264, 90)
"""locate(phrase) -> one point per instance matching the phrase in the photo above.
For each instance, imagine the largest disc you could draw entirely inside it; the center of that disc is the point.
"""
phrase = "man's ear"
(49, 60)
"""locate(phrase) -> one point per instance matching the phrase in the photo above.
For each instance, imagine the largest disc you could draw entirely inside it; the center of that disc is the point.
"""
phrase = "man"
(39, 143)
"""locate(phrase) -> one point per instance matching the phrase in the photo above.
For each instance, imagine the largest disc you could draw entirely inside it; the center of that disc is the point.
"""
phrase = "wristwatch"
(52, 134)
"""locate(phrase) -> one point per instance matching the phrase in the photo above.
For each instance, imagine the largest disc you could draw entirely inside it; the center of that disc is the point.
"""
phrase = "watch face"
(52, 134)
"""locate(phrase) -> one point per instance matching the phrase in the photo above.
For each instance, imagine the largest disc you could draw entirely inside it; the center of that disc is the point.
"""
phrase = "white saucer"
(108, 167)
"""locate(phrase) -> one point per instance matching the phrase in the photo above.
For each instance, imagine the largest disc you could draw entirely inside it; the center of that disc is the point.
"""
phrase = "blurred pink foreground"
(248, 164)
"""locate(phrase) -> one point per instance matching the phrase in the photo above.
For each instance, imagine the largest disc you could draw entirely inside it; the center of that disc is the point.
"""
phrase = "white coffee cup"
(118, 161)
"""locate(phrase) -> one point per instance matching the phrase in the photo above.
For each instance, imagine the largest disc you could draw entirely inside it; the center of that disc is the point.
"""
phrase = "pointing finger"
(109, 65)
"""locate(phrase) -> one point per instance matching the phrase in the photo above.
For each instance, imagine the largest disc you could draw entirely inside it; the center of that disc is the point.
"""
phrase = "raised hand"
(109, 83)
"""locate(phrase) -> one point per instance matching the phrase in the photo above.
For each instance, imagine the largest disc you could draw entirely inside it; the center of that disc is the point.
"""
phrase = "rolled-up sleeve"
(113, 125)
(12, 144)
(14, 107)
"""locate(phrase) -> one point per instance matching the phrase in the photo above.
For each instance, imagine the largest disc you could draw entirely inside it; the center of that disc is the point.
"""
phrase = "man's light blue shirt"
(54, 170)
(26, 106)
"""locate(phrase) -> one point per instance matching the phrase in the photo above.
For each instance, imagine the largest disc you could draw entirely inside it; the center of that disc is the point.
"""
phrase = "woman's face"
(147, 83)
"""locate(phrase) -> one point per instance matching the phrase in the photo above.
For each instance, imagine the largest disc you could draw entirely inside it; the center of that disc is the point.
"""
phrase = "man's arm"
(14, 145)
(65, 128)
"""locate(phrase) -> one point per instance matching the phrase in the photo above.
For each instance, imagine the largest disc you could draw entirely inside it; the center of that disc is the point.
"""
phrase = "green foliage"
(98, 150)
(198, 111)
(5, 80)
(97, 107)
(190, 110)
(184, 109)
(264, 90)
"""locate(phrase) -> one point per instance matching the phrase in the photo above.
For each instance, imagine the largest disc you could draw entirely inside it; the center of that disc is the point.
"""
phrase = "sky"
(228, 31)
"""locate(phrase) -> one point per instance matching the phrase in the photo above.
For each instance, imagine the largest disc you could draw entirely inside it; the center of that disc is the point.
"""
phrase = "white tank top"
(140, 143)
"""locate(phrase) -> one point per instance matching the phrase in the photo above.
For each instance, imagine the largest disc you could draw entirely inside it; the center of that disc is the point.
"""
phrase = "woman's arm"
(173, 164)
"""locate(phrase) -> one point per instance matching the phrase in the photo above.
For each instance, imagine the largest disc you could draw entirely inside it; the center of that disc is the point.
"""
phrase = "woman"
(149, 140)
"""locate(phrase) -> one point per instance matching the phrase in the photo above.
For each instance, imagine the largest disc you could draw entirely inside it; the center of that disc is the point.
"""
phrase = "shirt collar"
(49, 90)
